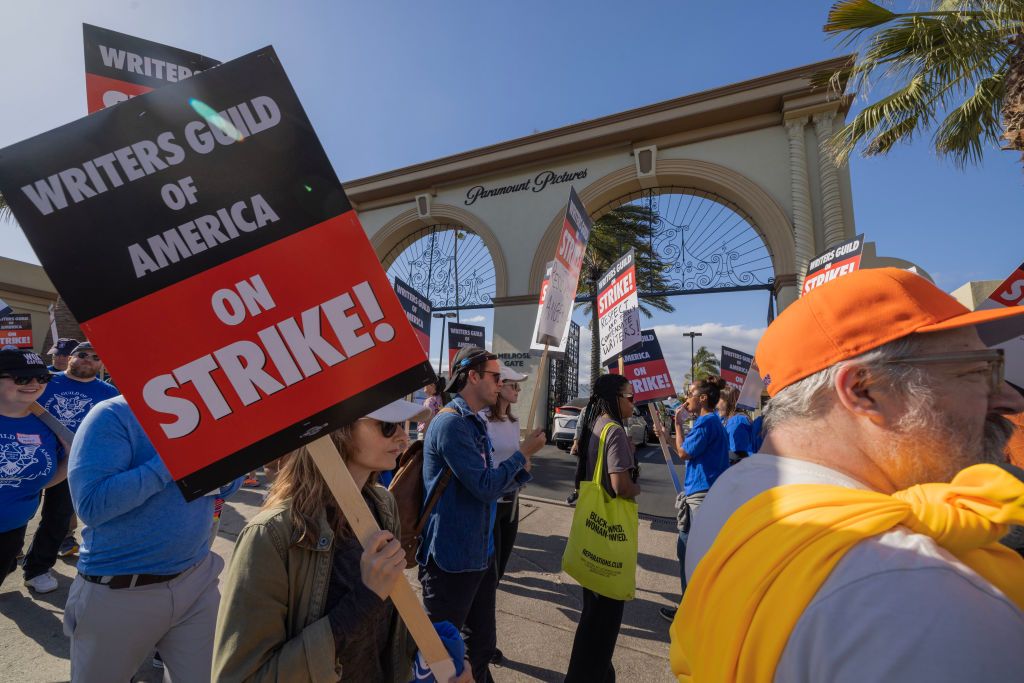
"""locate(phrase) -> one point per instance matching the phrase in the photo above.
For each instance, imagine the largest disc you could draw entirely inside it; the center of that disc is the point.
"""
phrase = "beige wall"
(27, 289)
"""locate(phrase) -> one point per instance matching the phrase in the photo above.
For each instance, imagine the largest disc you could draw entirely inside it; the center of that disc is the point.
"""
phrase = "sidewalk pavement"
(538, 605)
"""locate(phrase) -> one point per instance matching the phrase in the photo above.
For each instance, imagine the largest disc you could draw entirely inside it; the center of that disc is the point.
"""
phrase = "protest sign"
(417, 310)
(119, 66)
(1009, 293)
(735, 366)
(553, 351)
(565, 272)
(4, 308)
(645, 368)
(836, 262)
(16, 329)
(753, 387)
(460, 335)
(618, 308)
(215, 224)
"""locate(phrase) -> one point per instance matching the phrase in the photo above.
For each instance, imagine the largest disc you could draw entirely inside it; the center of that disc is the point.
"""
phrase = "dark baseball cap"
(63, 347)
(465, 360)
(84, 346)
(21, 363)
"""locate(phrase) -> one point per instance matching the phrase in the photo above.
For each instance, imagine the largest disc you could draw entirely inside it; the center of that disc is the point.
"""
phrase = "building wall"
(27, 289)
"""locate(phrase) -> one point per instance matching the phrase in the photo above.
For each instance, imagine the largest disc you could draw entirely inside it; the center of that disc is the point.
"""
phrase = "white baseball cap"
(510, 375)
(400, 411)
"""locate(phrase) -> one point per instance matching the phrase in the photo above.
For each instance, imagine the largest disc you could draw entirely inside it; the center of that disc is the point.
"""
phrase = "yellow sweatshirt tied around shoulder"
(774, 553)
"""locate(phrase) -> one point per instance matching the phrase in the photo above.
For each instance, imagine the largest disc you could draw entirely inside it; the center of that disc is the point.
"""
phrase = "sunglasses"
(387, 429)
(512, 385)
(22, 381)
(497, 375)
(91, 356)
(628, 397)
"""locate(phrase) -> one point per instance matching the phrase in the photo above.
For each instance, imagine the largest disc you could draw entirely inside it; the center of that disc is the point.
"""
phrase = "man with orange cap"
(861, 543)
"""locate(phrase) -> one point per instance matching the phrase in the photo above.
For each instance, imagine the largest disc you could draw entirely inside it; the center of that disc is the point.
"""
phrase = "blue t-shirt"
(29, 455)
(757, 434)
(738, 429)
(70, 400)
(707, 446)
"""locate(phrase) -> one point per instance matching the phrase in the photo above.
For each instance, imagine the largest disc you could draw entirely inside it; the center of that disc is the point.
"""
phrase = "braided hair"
(604, 400)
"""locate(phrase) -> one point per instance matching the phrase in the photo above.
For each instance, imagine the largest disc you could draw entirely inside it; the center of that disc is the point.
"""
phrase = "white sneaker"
(44, 583)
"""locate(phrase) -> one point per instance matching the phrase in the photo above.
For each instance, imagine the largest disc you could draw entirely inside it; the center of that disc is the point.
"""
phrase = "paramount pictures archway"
(750, 151)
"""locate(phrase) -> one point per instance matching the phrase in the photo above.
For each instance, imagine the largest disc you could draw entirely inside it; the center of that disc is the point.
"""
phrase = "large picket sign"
(206, 216)
(646, 369)
(565, 272)
(417, 309)
(735, 366)
(15, 329)
(553, 351)
(1009, 293)
(618, 308)
(836, 262)
(119, 66)
(460, 335)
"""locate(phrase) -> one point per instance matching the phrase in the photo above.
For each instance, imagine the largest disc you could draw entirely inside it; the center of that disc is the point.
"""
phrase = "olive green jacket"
(272, 625)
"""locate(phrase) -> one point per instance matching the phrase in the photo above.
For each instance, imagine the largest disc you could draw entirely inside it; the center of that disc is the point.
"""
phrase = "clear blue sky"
(388, 84)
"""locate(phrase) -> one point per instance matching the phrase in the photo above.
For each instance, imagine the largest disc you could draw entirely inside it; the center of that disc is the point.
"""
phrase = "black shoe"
(667, 613)
(497, 657)
(571, 498)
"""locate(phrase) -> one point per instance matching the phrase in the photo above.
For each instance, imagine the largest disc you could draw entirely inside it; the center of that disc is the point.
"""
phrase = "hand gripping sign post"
(119, 66)
(836, 262)
(645, 368)
(558, 298)
(216, 223)
(735, 366)
(417, 310)
(618, 308)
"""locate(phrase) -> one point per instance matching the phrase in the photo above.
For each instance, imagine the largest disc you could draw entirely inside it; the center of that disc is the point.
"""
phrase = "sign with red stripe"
(119, 67)
(216, 225)
(735, 366)
(834, 263)
(1009, 293)
(417, 310)
(647, 371)
(16, 330)
(618, 308)
(461, 335)
(565, 272)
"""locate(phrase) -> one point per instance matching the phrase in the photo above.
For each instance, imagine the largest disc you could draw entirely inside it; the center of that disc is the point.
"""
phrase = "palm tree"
(615, 233)
(5, 210)
(957, 68)
(705, 363)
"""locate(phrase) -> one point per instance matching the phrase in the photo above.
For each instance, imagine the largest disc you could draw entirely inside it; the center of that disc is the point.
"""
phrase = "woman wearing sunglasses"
(302, 600)
(31, 456)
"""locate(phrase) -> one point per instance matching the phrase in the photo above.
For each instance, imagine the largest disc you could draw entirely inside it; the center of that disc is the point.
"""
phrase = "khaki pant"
(113, 631)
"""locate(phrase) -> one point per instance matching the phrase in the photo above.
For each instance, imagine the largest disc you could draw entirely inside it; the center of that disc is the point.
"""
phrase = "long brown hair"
(300, 487)
(495, 415)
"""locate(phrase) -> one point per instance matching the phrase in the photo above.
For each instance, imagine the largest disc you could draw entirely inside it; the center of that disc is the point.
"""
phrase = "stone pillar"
(831, 202)
(800, 195)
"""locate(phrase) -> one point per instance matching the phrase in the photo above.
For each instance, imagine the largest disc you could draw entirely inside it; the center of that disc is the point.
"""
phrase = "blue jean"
(681, 554)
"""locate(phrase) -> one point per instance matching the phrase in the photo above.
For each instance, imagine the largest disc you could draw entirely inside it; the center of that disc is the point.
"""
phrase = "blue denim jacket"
(457, 530)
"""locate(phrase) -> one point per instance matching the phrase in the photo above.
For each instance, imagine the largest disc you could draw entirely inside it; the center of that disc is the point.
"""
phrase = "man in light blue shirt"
(146, 577)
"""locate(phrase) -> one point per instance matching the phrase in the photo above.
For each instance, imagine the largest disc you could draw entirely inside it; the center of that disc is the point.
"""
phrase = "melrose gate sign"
(538, 183)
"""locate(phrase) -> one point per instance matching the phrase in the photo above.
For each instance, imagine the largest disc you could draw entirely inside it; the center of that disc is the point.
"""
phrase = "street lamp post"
(691, 335)
(440, 352)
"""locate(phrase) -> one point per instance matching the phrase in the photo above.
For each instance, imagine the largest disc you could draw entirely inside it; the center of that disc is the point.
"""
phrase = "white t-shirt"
(897, 607)
(504, 437)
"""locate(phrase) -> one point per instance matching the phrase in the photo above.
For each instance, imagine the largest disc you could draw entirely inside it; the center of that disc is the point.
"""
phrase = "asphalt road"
(554, 471)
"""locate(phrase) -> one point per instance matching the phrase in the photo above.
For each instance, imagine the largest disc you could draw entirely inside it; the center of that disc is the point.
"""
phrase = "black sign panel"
(417, 308)
(460, 335)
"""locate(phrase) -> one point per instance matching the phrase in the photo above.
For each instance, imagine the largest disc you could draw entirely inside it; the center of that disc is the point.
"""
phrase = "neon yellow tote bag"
(602, 547)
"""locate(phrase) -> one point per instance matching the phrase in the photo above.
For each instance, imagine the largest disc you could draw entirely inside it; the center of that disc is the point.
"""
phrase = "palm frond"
(856, 16)
(964, 132)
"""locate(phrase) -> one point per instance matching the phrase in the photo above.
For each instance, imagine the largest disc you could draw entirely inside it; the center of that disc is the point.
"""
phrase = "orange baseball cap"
(862, 311)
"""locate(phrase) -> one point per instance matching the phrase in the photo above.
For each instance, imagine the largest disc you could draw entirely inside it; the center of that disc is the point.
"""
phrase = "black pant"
(594, 644)
(10, 545)
(467, 600)
(53, 529)
(506, 526)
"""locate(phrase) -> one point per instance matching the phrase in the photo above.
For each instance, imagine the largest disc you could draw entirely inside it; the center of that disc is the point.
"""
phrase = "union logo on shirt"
(15, 458)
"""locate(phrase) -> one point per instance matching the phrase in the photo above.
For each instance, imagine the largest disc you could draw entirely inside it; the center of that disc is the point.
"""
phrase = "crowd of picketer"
(870, 530)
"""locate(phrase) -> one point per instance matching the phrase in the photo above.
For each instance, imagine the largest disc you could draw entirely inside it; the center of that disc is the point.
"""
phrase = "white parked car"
(564, 428)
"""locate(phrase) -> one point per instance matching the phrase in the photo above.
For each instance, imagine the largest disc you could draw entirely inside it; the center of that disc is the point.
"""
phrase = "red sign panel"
(16, 330)
(835, 263)
(647, 371)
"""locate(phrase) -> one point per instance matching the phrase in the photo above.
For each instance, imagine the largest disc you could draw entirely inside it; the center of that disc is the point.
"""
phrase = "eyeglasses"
(387, 429)
(628, 397)
(995, 358)
(511, 385)
(497, 375)
(83, 355)
(22, 381)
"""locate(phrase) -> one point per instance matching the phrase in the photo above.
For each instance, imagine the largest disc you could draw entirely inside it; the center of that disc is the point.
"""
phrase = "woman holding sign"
(303, 601)
(607, 455)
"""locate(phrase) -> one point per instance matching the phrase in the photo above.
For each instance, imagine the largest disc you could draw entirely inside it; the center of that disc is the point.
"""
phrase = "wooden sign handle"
(660, 431)
(328, 460)
(536, 390)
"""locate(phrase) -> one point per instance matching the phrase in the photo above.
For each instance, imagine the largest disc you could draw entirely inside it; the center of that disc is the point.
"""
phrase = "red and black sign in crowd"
(646, 370)
(460, 335)
(735, 366)
(838, 261)
(16, 329)
(119, 66)
(221, 243)
(417, 310)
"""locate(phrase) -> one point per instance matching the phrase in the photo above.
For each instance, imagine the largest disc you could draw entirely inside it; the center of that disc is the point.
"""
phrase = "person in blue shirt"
(146, 576)
(706, 452)
(737, 425)
(458, 571)
(60, 352)
(69, 396)
(31, 457)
